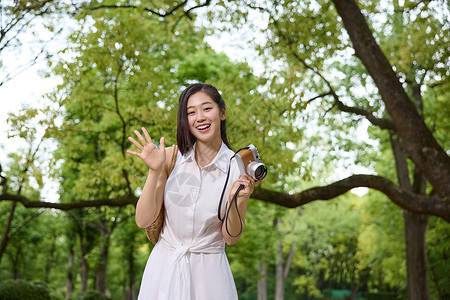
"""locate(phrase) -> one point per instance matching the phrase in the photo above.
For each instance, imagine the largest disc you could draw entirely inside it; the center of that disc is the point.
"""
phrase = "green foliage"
(306, 284)
(89, 295)
(258, 242)
(125, 71)
(437, 111)
(130, 247)
(415, 37)
(120, 80)
(126, 84)
(383, 243)
(21, 289)
(328, 241)
(438, 233)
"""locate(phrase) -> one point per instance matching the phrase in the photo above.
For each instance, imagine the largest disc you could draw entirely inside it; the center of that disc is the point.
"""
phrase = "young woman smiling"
(189, 260)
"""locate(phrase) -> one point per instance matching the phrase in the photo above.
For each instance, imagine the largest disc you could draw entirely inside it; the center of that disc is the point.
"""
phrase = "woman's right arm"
(151, 199)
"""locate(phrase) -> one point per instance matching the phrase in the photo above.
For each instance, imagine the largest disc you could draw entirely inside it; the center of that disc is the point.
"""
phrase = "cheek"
(190, 120)
(215, 116)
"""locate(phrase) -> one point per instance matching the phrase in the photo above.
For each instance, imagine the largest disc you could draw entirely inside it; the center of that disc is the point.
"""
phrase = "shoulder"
(228, 151)
(229, 155)
(225, 150)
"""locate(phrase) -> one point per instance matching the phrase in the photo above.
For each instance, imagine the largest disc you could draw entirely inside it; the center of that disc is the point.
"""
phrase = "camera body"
(249, 162)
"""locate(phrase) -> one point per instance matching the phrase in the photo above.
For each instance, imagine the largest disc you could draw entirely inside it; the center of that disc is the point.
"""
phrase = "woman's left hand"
(249, 185)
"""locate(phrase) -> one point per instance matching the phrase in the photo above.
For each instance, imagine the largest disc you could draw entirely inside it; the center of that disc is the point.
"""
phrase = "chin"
(209, 139)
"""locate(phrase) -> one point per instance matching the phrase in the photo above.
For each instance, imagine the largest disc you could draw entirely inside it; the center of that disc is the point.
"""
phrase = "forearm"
(150, 201)
(233, 221)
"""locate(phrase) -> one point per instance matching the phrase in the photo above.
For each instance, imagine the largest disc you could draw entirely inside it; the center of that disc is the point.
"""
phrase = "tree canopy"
(331, 70)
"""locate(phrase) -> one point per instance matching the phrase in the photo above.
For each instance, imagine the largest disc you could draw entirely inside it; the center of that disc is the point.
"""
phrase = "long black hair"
(185, 138)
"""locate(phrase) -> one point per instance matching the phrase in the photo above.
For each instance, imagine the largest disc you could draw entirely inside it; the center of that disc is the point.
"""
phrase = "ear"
(223, 114)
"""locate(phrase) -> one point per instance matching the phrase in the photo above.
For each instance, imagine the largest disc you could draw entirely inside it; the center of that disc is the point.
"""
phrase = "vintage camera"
(249, 162)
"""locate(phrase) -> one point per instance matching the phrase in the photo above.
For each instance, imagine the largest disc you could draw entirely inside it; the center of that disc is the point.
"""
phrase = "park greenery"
(343, 86)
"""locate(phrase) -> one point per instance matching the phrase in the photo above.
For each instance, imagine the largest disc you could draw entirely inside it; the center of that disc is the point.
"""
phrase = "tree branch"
(187, 12)
(423, 204)
(380, 122)
(129, 6)
(126, 200)
(21, 20)
(418, 141)
(153, 11)
(24, 224)
(318, 96)
(430, 205)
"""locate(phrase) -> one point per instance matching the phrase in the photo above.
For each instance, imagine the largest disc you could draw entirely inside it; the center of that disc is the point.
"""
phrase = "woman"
(189, 261)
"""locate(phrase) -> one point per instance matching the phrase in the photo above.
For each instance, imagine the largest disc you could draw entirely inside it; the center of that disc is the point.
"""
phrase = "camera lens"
(260, 172)
(257, 170)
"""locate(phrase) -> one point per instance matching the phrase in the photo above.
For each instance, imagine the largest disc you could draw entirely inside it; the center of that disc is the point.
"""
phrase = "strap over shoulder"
(173, 159)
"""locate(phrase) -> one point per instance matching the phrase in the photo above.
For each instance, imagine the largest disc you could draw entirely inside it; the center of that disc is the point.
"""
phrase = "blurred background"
(347, 102)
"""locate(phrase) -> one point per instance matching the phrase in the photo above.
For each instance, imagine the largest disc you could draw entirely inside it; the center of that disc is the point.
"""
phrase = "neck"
(205, 152)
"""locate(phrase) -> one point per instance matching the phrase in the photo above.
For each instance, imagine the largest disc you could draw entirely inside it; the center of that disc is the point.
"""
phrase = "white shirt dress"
(189, 261)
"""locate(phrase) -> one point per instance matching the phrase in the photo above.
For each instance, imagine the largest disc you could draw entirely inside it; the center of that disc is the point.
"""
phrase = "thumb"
(161, 144)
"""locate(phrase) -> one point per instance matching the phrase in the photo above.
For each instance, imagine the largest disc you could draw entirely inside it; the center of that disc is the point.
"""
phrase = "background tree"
(406, 199)
(30, 27)
(303, 54)
(107, 85)
(108, 91)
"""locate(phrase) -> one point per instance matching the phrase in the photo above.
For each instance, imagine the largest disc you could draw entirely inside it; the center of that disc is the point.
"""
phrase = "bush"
(21, 289)
(89, 295)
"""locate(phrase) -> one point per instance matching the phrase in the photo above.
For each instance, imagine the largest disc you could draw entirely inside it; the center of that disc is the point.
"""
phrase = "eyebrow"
(206, 102)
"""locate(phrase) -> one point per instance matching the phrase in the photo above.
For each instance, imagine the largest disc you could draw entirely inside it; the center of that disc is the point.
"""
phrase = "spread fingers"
(140, 138)
(147, 136)
(139, 146)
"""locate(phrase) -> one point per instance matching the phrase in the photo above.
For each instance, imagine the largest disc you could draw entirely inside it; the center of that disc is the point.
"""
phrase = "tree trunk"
(354, 293)
(262, 282)
(87, 233)
(50, 261)
(321, 283)
(279, 285)
(84, 268)
(360, 284)
(415, 229)
(5, 237)
(15, 264)
(281, 268)
(417, 139)
(70, 286)
(130, 290)
(100, 278)
(416, 265)
(354, 286)
(415, 234)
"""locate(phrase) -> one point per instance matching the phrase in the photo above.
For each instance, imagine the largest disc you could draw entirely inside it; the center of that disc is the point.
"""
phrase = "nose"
(200, 117)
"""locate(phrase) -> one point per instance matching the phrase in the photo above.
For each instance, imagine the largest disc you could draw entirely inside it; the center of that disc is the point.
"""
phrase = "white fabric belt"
(179, 272)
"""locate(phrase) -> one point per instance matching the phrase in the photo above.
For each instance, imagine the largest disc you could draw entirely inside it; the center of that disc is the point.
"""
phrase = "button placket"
(197, 196)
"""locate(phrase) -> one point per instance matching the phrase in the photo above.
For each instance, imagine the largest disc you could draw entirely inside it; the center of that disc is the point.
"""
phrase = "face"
(204, 116)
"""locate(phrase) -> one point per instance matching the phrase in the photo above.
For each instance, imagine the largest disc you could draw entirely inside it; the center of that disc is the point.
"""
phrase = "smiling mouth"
(203, 127)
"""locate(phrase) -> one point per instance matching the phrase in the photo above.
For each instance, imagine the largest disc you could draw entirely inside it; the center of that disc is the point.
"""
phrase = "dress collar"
(221, 160)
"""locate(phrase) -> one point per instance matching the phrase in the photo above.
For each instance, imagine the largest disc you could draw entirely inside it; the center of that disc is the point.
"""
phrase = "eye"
(208, 108)
(190, 113)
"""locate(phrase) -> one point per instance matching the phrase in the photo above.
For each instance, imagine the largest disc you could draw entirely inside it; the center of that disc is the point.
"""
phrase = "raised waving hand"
(153, 157)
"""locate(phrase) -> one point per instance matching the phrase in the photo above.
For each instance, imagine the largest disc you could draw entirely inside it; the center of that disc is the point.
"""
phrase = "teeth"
(202, 127)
